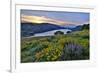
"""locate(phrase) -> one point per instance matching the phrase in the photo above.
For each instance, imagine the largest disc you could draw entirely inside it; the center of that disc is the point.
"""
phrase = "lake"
(51, 33)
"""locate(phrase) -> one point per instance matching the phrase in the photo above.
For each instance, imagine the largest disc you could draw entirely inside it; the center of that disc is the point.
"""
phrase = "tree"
(68, 32)
(85, 26)
(58, 33)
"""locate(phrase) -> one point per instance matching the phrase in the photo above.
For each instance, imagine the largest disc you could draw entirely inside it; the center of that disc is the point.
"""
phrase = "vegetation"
(68, 32)
(58, 33)
(72, 46)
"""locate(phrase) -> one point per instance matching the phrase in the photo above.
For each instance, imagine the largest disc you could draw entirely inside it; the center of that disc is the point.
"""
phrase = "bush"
(58, 33)
(68, 32)
(73, 51)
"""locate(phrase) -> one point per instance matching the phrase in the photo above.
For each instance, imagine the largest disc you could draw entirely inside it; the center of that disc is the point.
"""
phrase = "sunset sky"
(60, 18)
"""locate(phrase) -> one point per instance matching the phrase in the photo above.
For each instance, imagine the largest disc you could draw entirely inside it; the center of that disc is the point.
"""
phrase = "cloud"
(42, 19)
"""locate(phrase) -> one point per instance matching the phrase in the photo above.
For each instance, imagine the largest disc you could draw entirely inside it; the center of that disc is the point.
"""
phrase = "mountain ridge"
(28, 29)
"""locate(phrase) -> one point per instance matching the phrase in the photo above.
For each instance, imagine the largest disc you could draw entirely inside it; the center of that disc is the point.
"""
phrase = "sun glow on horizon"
(42, 19)
(32, 19)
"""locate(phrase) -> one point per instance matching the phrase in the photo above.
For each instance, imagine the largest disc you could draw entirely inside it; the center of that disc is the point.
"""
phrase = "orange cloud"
(42, 19)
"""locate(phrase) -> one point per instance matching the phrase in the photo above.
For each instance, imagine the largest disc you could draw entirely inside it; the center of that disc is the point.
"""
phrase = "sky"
(55, 17)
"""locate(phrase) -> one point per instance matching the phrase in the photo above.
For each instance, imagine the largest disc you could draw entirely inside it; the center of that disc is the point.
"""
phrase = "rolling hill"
(29, 29)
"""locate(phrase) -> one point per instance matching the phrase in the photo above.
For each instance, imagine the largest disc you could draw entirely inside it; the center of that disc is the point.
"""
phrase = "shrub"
(58, 33)
(68, 32)
(73, 51)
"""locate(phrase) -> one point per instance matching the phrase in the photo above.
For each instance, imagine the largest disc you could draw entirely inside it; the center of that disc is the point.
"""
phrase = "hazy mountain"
(80, 27)
(29, 29)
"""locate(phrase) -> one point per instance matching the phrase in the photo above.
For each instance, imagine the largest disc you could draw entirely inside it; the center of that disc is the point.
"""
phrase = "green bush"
(59, 33)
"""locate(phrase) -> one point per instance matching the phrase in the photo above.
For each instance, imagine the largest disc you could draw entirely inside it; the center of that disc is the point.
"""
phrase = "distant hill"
(29, 29)
(80, 27)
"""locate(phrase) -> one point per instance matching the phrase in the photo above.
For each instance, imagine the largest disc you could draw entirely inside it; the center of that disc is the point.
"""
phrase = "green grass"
(53, 48)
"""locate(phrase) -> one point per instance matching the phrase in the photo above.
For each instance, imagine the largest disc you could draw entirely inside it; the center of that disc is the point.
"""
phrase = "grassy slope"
(53, 48)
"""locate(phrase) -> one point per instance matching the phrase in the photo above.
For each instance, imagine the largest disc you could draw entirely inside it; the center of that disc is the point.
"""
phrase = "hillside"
(29, 29)
(80, 27)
